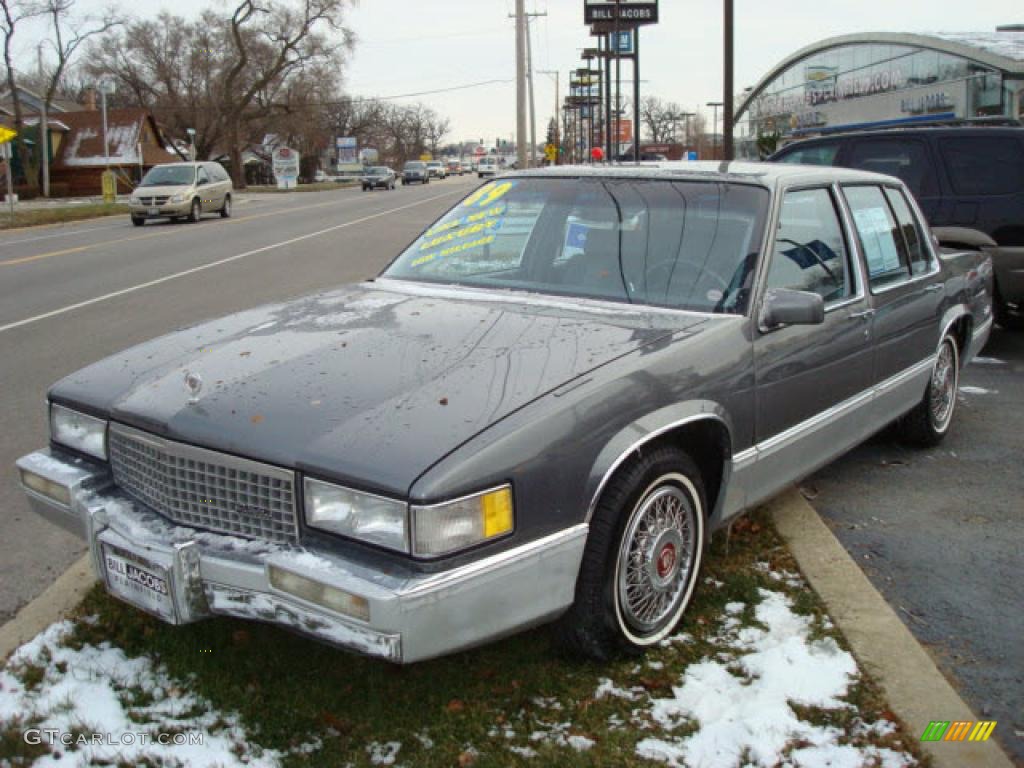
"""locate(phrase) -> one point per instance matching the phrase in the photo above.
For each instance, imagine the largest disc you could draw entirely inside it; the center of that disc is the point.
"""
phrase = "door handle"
(934, 287)
(867, 314)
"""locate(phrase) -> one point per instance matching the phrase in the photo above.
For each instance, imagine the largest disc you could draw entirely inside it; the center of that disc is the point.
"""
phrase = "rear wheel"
(642, 557)
(225, 210)
(927, 424)
(1006, 316)
(195, 212)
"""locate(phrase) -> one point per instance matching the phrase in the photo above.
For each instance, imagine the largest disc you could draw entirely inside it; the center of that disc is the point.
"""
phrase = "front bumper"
(1008, 264)
(160, 211)
(411, 618)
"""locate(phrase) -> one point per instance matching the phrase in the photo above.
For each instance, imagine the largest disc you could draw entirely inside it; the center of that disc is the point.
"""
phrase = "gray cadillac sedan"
(539, 411)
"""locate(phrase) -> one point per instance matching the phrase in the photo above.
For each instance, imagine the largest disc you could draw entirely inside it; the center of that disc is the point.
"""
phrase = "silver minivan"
(181, 190)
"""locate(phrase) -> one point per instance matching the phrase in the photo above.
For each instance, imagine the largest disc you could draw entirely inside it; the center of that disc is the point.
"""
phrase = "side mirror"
(962, 238)
(783, 306)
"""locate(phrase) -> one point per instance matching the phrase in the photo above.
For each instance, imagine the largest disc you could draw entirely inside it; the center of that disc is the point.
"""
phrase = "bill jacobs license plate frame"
(140, 581)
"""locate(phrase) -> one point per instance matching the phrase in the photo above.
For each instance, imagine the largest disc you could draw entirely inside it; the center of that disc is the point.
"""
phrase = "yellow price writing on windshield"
(487, 194)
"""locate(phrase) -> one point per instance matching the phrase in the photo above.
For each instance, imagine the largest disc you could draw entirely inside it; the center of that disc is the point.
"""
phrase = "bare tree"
(14, 13)
(661, 119)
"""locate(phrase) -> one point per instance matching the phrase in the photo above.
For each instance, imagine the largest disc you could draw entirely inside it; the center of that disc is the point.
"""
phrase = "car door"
(203, 187)
(906, 291)
(909, 159)
(812, 381)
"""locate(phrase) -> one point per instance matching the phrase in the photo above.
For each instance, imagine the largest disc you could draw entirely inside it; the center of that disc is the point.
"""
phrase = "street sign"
(347, 147)
(551, 152)
(622, 42)
(632, 12)
(285, 164)
(691, 155)
(6, 134)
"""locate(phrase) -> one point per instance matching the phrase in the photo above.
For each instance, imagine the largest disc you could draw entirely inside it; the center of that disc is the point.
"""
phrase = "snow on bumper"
(403, 616)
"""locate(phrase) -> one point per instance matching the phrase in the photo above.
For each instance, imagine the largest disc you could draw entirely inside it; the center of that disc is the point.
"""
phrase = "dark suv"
(969, 177)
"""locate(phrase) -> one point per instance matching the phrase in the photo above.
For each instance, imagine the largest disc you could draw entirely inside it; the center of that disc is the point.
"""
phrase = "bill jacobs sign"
(625, 11)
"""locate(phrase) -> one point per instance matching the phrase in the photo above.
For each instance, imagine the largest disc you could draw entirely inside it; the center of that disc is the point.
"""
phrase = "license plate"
(154, 211)
(139, 582)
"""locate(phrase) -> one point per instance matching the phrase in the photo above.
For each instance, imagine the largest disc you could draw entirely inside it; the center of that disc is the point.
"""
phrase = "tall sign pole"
(727, 87)
(636, 95)
(521, 83)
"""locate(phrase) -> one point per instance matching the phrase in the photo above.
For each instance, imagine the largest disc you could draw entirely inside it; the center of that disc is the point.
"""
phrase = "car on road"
(538, 412)
(378, 176)
(181, 190)
(437, 169)
(488, 166)
(968, 176)
(415, 171)
(455, 168)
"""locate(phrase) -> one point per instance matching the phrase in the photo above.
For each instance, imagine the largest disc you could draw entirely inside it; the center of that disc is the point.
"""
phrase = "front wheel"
(642, 558)
(138, 221)
(195, 213)
(928, 423)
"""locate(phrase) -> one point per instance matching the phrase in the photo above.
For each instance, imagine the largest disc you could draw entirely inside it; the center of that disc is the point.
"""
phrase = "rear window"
(818, 154)
(906, 159)
(980, 165)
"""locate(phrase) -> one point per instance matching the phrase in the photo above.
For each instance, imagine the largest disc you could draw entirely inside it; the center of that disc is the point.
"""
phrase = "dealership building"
(883, 79)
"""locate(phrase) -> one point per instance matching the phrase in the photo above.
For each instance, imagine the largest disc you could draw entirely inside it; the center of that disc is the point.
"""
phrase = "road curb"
(915, 688)
(52, 605)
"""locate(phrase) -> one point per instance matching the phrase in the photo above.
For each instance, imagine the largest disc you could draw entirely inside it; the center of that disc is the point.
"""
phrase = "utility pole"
(521, 83)
(714, 125)
(727, 86)
(44, 127)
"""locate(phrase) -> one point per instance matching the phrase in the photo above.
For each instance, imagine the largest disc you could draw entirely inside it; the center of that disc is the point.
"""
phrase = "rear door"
(906, 291)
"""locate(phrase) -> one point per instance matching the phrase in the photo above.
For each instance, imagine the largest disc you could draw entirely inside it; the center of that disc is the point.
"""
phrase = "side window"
(884, 248)
(201, 177)
(984, 166)
(809, 253)
(819, 154)
(917, 251)
(906, 159)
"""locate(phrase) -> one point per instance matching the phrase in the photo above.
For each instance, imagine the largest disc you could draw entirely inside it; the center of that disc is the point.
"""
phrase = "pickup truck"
(539, 411)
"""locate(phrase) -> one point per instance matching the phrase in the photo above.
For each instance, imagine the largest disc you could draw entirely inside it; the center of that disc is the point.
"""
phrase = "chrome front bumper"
(411, 618)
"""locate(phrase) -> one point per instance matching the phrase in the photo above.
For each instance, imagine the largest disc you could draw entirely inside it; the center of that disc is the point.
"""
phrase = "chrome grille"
(204, 489)
(157, 200)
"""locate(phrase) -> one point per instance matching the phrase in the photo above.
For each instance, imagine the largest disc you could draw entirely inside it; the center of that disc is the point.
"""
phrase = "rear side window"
(810, 254)
(980, 165)
(917, 252)
(883, 245)
(818, 154)
(906, 159)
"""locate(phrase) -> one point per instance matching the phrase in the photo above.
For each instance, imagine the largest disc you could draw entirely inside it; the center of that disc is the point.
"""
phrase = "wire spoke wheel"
(943, 386)
(657, 557)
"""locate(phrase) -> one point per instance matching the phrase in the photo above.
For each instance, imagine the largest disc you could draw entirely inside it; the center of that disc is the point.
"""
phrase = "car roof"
(765, 174)
(919, 130)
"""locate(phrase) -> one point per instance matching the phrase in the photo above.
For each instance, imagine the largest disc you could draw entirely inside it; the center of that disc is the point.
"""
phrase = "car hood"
(367, 385)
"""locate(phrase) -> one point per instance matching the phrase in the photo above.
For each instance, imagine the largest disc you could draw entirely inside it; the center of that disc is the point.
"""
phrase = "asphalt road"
(71, 295)
(940, 534)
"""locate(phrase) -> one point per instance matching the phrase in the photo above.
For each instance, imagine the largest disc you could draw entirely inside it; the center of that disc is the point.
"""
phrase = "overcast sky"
(407, 46)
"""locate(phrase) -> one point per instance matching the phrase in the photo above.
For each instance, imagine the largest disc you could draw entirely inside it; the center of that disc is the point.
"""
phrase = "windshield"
(377, 171)
(415, 166)
(169, 175)
(682, 244)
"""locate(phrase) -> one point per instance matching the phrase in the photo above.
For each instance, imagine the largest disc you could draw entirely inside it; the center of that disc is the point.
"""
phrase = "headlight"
(177, 198)
(442, 528)
(362, 516)
(76, 430)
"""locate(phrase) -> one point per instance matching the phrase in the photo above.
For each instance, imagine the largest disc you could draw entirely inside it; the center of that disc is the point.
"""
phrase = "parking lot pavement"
(940, 533)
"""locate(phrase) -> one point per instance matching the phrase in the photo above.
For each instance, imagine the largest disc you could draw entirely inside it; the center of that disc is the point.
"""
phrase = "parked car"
(378, 176)
(487, 166)
(970, 177)
(455, 168)
(415, 171)
(638, 357)
(181, 190)
(437, 169)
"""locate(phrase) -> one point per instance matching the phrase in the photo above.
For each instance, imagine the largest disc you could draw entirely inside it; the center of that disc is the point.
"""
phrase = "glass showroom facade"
(876, 83)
